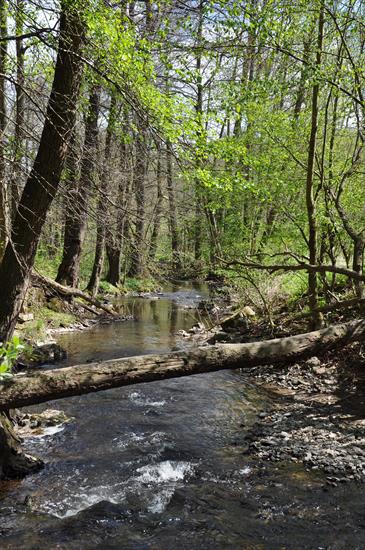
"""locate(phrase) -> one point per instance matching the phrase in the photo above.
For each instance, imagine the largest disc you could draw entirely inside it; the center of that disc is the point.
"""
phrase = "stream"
(163, 465)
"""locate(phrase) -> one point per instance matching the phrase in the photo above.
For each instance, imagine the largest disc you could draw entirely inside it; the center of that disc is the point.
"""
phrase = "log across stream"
(24, 390)
(163, 464)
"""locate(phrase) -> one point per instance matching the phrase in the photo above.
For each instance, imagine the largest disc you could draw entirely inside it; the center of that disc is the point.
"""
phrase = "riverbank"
(318, 417)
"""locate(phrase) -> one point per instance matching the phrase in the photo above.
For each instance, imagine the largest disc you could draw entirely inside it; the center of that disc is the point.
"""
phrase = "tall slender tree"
(310, 195)
(3, 186)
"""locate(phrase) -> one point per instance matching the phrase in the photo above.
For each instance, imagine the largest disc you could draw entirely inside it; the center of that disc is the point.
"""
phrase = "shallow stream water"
(163, 465)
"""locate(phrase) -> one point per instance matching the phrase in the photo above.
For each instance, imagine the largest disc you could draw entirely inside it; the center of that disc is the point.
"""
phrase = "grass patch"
(294, 285)
(55, 319)
(44, 318)
(107, 288)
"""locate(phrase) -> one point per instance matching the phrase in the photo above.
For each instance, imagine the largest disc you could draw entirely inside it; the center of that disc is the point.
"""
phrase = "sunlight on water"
(155, 483)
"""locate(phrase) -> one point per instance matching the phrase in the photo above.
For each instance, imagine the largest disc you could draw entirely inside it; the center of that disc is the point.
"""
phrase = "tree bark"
(137, 268)
(43, 181)
(358, 262)
(69, 269)
(113, 254)
(20, 111)
(101, 231)
(198, 226)
(118, 238)
(70, 292)
(3, 185)
(172, 207)
(310, 199)
(14, 463)
(94, 281)
(158, 207)
(301, 86)
(29, 389)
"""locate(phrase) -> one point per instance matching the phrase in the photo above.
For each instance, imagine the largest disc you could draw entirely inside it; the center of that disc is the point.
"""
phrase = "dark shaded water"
(162, 465)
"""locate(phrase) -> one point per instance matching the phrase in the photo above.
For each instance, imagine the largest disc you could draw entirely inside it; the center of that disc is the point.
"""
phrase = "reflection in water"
(153, 329)
(162, 465)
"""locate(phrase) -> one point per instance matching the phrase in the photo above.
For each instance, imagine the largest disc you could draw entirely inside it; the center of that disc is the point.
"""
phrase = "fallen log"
(29, 389)
(71, 292)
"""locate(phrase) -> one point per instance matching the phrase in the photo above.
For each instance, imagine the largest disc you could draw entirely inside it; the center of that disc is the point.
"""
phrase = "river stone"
(248, 311)
(219, 337)
(313, 362)
(319, 370)
(28, 424)
(237, 321)
(25, 317)
(46, 353)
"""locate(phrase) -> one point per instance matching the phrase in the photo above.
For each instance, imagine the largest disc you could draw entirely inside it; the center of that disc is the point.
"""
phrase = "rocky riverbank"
(318, 418)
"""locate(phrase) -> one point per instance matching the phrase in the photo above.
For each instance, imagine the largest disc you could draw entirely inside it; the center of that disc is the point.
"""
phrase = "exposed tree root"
(14, 463)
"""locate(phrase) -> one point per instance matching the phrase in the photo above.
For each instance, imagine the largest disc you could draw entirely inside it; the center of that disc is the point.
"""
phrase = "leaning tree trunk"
(37, 197)
(43, 181)
(26, 389)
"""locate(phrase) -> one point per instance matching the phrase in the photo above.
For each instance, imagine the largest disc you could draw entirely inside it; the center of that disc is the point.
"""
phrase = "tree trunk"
(172, 207)
(198, 226)
(310, 200)
(113, 254)
(94, 282)
(301, 87)
(20, 111)
(158, 208)
(70, 292)
(29, 389)
(137, 268)
(69, 202)
(69, 269)
(43, 181)
(358, 262)
(3, 186)
(117, 239)
(14, 463)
